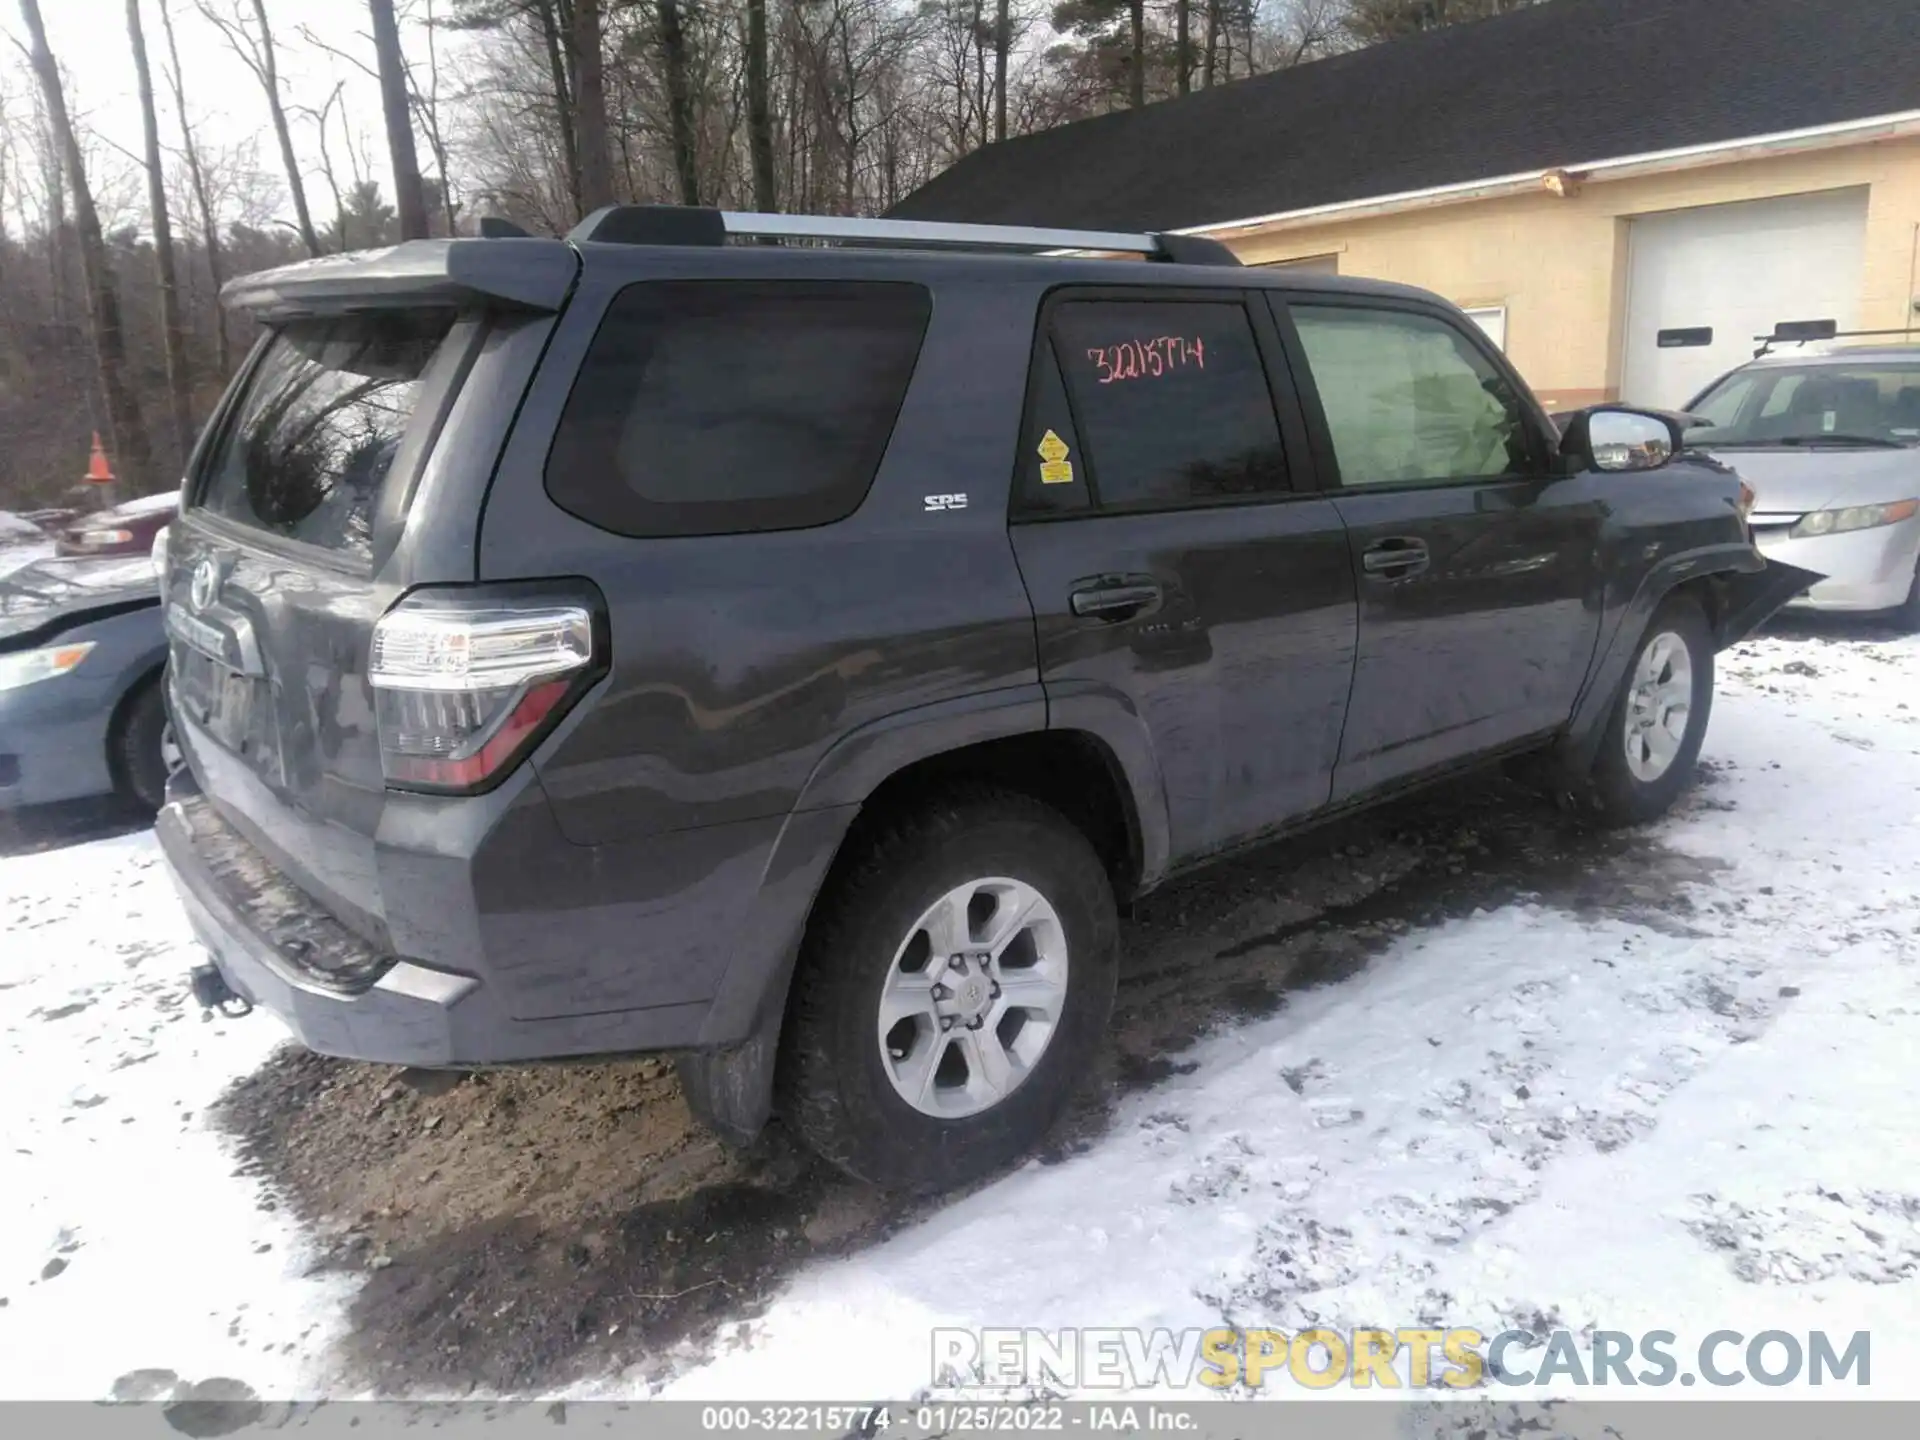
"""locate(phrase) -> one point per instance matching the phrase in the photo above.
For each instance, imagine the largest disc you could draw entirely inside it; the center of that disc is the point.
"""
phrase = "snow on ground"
(126, 1243)
(1524, 1118)
(1515, 1118)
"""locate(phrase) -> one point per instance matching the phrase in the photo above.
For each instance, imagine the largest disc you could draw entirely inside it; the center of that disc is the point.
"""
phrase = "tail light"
(98, 539)
(464, 687)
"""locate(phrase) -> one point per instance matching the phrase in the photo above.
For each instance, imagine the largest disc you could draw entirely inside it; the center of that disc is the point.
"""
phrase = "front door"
(1172, 566)
(1477, 568)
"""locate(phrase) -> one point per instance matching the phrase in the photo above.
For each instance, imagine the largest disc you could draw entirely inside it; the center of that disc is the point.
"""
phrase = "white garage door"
(1736, 270)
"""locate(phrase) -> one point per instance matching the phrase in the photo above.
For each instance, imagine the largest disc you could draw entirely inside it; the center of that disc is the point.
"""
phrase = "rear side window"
(706, 407)
(1172, 401)
(316, 433)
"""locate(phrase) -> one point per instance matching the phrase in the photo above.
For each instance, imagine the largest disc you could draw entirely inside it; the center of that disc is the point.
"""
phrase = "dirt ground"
(518, 1229)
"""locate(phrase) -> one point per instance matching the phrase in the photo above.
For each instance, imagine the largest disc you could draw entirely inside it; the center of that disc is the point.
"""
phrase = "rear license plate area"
(229, 706)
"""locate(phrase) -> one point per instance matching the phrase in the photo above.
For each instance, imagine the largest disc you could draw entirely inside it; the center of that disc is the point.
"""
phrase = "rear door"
(292, 544)
(1173, 566)
(1477, 567)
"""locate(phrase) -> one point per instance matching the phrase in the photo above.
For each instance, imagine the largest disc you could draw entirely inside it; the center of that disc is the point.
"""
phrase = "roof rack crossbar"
(685, 225)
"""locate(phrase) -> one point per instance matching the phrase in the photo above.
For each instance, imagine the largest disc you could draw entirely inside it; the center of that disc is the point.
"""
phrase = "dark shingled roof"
(1564, 82)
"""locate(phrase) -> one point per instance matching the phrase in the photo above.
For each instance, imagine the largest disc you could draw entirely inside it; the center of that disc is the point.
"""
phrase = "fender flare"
(729, 1081)
(1584, 732)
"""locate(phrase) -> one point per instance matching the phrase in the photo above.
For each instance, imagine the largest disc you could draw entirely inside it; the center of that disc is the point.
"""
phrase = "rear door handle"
(1395, 558)
(1114, 598)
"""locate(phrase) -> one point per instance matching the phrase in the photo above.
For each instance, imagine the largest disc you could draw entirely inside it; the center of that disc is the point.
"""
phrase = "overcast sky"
(224, 100)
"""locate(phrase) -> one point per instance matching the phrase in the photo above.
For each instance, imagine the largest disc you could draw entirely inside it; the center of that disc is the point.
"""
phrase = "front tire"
(137, 748)
(1907, 614)
(955, 985)
(1659, 718)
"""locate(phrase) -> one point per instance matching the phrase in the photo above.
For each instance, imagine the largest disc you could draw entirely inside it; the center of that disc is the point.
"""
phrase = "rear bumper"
(1866, 569)
(262, 934)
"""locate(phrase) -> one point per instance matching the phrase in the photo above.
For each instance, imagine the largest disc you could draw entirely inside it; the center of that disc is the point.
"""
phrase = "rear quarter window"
(709, 407)
(315, 435)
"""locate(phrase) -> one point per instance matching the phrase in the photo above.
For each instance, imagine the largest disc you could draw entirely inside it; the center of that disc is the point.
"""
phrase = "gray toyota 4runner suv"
(789, 654)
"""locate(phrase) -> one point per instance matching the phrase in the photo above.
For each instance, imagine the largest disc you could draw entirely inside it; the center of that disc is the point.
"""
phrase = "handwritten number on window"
(1148, 359)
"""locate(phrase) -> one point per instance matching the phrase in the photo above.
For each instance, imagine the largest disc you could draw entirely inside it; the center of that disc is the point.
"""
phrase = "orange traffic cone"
(98, 471)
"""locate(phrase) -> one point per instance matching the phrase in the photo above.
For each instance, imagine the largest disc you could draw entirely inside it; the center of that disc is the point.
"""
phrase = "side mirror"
(1613, 439)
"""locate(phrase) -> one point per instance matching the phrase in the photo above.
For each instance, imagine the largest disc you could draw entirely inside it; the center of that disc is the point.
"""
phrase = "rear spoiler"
(518, 274)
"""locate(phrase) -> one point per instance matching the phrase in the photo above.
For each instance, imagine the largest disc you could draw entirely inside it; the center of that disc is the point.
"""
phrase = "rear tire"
(136, 747)
(955, 1087)
(1659, 718)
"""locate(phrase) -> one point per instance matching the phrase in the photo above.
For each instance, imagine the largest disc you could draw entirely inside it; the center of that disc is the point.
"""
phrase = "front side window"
(317, 430)
(1409, 397)
(1171, 400)
(708, 407)
(1724, 401)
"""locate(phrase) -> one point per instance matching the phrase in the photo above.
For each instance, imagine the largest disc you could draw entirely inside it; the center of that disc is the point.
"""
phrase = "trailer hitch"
(210, 988)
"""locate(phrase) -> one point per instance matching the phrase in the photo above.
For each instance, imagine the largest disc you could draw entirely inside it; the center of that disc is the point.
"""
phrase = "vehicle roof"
(1843, 355)
(927, 265)
(539, 273)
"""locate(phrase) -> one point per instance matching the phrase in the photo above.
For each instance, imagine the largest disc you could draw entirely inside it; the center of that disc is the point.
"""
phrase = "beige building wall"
(1559, 266)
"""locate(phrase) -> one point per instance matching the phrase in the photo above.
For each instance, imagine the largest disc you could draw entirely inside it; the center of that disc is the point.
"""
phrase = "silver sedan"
(1831, 446)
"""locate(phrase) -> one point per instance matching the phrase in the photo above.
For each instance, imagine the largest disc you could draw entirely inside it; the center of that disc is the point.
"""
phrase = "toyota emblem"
(205, 587)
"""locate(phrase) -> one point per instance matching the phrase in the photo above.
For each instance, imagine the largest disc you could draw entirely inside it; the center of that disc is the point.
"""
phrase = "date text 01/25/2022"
(905, 1422)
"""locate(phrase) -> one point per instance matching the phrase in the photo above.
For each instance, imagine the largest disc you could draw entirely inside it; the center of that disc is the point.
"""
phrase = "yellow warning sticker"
(1056, 472)
(1053, 450)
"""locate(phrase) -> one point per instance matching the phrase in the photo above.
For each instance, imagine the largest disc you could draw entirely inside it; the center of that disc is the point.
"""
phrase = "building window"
(1492, 319)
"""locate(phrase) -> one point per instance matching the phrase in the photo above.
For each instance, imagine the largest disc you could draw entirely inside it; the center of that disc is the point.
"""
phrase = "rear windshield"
(315, 435)
(1834, 403)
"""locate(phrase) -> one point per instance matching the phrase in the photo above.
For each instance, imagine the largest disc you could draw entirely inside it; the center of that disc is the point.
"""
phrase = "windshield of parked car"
(1868, 404)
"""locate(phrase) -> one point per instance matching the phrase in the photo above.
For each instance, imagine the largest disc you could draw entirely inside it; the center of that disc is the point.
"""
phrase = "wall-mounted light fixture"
(1560, 184)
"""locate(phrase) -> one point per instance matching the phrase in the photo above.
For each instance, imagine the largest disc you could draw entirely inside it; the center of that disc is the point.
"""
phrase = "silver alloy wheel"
(1659, 706)
(973, 997)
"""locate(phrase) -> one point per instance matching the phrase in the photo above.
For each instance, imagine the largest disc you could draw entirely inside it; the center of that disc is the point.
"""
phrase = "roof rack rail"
(695, 225)
(1803, 332)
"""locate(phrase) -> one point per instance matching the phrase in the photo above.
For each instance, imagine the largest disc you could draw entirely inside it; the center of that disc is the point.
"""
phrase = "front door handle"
(1395, 558)
(1116, 598)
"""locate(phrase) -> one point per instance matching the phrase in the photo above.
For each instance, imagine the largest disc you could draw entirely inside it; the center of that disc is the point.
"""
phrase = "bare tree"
(426, 105)
(256, 52)
(1137, 56)
(179, 382)
(563, 95)
(673, 59)
(209, 228)
(1183, 44)
(408, 197)
(321, 119)
(1002, 43)
(759, 109)
(103, 305)
(590, 108)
